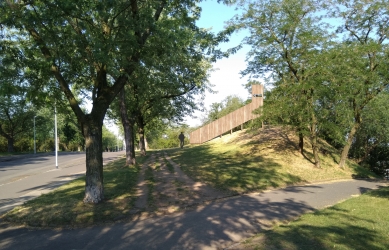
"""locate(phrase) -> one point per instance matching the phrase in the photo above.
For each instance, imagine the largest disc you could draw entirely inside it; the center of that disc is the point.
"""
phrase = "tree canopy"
(321, 77)
(92, 48)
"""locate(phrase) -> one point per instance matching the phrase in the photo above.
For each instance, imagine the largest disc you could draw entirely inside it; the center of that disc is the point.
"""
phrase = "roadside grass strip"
(357, 223)
(63, 207)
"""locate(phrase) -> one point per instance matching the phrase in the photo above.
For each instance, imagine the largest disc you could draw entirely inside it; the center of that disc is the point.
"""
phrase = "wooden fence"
(230, 121)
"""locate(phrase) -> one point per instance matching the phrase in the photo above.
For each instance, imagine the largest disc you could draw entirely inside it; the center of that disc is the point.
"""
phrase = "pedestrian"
(182, 138)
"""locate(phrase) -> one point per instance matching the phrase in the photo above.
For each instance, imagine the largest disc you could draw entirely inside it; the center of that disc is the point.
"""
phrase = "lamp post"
(56, 140)
(34, 137)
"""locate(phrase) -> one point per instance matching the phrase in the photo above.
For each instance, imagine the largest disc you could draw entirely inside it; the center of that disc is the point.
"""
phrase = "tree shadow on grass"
(230, 172)
(382, 192)
(343, 233)
(316, 237)
(64, 206)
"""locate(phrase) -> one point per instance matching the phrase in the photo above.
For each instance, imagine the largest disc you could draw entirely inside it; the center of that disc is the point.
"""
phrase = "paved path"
(214, 226)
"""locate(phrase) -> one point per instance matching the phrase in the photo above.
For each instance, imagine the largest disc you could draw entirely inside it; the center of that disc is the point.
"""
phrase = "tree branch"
(57, 74)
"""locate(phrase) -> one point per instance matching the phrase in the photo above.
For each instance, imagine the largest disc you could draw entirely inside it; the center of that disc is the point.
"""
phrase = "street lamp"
(56, 140)
(34, 137)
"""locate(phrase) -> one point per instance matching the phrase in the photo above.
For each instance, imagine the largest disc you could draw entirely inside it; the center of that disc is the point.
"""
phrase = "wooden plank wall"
(230, 121)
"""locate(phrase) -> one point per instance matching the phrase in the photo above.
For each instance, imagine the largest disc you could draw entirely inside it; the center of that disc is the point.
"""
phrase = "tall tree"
(360, 62)
(171, 103)
(373, 134)
(128, 122)
(226, 106)
(285, 36)
(16, 112)
(164, 87)
(109, 139)
(93, 47)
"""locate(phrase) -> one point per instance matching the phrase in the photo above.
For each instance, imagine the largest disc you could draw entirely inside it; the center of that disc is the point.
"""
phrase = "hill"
(256, 160)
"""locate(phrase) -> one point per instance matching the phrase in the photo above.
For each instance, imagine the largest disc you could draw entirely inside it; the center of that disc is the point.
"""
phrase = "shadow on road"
(216, 225)
(212, 226)
(53, 184)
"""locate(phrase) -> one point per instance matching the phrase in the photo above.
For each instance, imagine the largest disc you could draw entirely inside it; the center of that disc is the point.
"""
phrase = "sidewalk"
(218, 225)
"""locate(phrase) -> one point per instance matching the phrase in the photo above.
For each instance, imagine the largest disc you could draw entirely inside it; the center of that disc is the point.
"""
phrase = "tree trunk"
(128, 126)
(142, 145)
(141, 132)
(146, 143)
(315, 146)
(92, 131)
(301, 143)
(10, 144)
(349, 141)
(130, 145)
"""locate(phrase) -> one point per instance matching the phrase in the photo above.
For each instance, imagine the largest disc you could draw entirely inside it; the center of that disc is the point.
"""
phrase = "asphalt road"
(25, 177)
(214, 226)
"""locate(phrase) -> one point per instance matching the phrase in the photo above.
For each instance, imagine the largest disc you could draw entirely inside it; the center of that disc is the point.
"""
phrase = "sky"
(226, 78)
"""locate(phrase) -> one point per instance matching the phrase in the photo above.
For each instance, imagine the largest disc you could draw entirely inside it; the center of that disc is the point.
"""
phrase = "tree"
(16, 113)
(226, 106)
(93, 47)
(173, 81)
(16, 116)
(163, 94)
(109, 139)
(373, 134)
(164, 86)
(167, 136)
(72, 138)
(360, 62)
(128, 122)
(214, 111)
(285, 36)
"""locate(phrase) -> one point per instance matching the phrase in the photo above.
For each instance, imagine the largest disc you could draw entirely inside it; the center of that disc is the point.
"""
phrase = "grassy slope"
(268, 158)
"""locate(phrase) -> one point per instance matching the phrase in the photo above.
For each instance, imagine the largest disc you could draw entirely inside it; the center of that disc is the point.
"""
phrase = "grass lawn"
(64, 206)
(244, 162)
(358, 223)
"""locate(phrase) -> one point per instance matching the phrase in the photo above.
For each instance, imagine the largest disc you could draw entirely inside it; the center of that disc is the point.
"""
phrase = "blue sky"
(226, 78)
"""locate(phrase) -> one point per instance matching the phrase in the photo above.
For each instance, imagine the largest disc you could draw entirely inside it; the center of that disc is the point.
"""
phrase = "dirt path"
(142, 188)
(164, 188)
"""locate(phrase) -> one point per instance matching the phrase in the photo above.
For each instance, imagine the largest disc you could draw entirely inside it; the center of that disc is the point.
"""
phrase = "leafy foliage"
(93, 48)
(110, 140)
(226, 106)
(322, 78)
(16, 111)
(167, 137)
